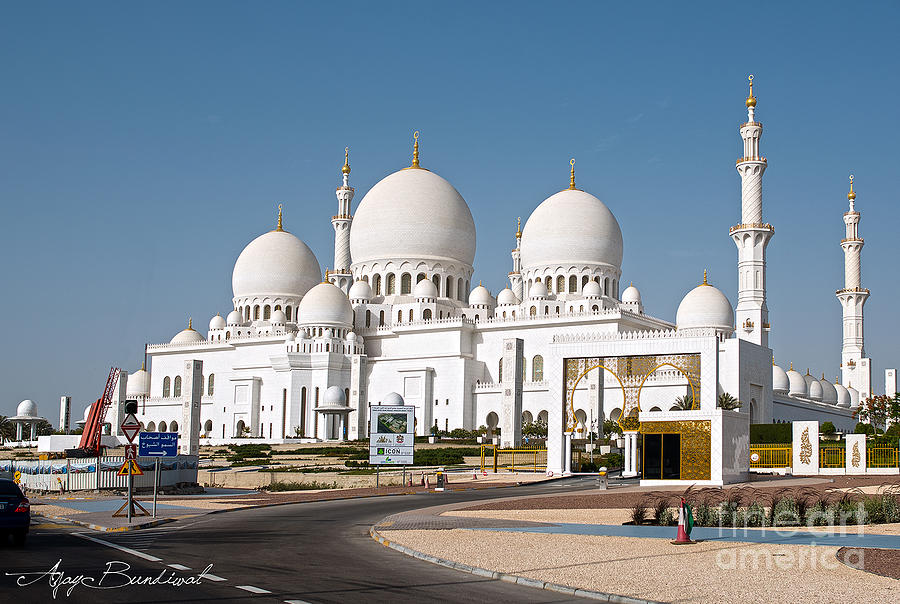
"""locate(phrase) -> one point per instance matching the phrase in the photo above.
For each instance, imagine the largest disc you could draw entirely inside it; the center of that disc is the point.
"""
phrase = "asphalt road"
(305, 552)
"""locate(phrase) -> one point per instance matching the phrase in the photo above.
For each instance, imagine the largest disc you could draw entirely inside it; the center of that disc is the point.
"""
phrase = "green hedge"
(771, 434)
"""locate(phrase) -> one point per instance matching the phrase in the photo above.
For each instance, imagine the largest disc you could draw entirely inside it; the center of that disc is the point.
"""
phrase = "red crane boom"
(93, 427)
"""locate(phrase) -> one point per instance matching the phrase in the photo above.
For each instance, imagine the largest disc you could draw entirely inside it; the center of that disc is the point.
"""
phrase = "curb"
(517, 579)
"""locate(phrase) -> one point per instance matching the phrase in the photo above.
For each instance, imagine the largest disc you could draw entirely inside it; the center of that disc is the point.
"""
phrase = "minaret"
(856, 369)
(752, 236)
(515, 277)
(341, 276)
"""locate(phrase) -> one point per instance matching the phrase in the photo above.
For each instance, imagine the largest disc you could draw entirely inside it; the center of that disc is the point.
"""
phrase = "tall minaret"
(752, 236)
(856, 369)
(341, 276)
(515, 277)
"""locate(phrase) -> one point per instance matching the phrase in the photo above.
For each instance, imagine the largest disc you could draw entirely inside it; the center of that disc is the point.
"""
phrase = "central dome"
(413, 214)
(571, 227)
(275, 264)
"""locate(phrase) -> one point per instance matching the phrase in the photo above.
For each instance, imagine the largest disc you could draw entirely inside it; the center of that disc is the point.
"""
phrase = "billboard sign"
(392, 435)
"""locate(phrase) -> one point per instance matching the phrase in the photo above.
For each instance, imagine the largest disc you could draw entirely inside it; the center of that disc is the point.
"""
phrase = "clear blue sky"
(142, 146)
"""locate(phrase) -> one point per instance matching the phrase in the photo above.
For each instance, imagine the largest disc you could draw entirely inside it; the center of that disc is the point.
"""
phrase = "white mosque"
(299, 356)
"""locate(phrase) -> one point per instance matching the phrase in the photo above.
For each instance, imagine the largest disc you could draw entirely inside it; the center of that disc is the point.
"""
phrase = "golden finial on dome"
(346, 168)
(280, 226)
(807, 371)
(852, 194)
(792, 366)
(519, 227)
(837, 379)
(415, 162)
(751, 100)
(143, 363)
(705, 282)
(327, 275)
(773, 360)
(572, 175)
(190, 323)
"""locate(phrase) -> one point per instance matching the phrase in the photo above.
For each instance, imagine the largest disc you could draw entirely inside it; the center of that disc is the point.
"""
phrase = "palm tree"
(684, 403)
(6, 429)
(726, 401)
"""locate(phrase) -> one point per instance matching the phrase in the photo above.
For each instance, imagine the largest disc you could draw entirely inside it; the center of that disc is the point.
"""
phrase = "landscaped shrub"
(614, 460)
(771, 433)
(827, 428)
(300, 486)
(706, 515)
(785, 513)
(639, 512)
(438, 457)
(754, 515)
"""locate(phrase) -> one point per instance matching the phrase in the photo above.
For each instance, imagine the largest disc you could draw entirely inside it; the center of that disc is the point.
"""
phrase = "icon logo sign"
(130, 468)
(131, 451)
(130, 427)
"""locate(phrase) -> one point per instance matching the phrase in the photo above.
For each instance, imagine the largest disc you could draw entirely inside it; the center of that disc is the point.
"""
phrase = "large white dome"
(798, 385)
(780, 380)
(843, 396)
(571, 227)
(829, 392)
(138, 383)
(705, 306)
(507, 296)
(27, 408)
(275, 264)
(325, 305)
(187, 336)
(413, 214)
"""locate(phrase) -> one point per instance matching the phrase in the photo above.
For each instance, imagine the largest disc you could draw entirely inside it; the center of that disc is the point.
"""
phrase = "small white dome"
(275, 264)
(538, 290)
(278, 317)
(138, 383)
(854, 396)
(425, 289)
(392, 398)
(351, 337)
(217, 322)
(290, 337)
(27, 408)
(815, 390)
(325, 304)
(571, 227)
(187, 336)
(480, 296)
(592, 289)
(631, 294)
(360, 290)
(506, 296)
(843, 396)
(234, 318)
(797, 384)
(809, 380)
(705, 306)
(780, 380)
(335, 397)
(303, 335)
(829, 393)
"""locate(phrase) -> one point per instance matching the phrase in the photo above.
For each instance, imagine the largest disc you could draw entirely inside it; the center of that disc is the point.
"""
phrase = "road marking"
(296, 602)
(180, 567)
(212, 577)
(127, 550)
(251, 589)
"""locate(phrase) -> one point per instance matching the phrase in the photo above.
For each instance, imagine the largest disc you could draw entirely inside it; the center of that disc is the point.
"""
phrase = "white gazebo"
(26, 417)
(334, 410)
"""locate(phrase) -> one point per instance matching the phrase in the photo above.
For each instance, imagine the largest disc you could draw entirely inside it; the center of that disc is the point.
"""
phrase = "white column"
(19, 431)
(568, 454)
(630, 454)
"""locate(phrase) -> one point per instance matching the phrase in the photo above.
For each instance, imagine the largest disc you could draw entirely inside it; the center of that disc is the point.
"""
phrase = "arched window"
(368, 318)
(166, 385)
(476, 318)
(376, 282)
(532, 311)
(449, 292)
(410, 315)
(537, 368)
(365, 278)
(437, 283)
(405, 283)
(163, 427)
(573, 284)
(211, 384)
(399, 316)
(381, 319)
(584, 281)
(207, 427)
(173, 427)
(460, 290)
(581, 308)
(151, 427)
(560, 284)
(227, 335)
(267, 312)
(546, 310)
(256, 312)
(500, 371)
(595, 308)
(176, 390)
(606, 286)
(391, 287)
(277, 307)
(246, 313)
(426, 314)
(421, 277)
(287, 312)
(548, 283)
(504, 314)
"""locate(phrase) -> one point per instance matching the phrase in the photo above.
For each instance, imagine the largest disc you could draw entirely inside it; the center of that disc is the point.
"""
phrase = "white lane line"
(127, 550)
(212, 577)
(296, 602)
(251, 589)
(179, 567)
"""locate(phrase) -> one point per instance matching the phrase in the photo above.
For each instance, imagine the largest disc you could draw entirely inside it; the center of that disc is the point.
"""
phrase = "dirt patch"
(884, 562)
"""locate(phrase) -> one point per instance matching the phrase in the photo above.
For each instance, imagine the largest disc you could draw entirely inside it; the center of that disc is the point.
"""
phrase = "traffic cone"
(683, 536)
(474, 474)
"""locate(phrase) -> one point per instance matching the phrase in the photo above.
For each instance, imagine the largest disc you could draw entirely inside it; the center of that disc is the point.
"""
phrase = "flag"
(688, 517)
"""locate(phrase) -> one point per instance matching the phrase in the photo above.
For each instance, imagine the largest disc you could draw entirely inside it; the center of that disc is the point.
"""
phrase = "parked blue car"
(15, 512)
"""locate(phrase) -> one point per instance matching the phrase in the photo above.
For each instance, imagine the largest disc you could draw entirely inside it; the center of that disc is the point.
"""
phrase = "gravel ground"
(593, 516)
(656, 570)
(884, 562)
(53, 510)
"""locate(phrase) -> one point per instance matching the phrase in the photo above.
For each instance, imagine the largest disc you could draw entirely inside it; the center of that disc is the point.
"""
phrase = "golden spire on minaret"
(519, 227)
(346, 168)
(751, 100)
(851, 196)
(280, 227)
(572, 175)
(415, 162)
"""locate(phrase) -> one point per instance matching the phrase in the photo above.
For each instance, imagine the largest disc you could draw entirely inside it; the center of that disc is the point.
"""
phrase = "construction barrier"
(514, 460)
(81, 473)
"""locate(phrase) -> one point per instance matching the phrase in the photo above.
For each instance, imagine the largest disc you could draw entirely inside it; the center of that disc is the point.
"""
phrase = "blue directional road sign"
(158, 444)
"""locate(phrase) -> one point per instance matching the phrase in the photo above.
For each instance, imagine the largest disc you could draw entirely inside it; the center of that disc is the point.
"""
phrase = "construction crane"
(93, 427)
